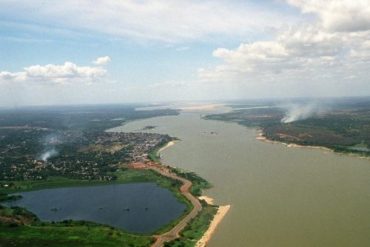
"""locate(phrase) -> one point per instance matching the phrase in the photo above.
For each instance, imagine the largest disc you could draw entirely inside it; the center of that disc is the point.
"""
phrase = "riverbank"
(221, 213)
(168, 145)
(261, 137)
(217, 218)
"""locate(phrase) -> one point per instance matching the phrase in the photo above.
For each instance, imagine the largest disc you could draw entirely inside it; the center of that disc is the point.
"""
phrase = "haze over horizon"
(89, 52)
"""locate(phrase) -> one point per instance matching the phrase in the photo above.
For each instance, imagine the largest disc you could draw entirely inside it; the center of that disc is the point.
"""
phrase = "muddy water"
(279, 196)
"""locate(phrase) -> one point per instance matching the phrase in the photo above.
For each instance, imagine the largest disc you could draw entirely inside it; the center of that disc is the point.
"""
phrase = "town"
(91, 156)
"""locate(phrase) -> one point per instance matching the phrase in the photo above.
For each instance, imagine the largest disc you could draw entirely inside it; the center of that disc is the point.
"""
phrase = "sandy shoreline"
(169, 144)
(208, 200)
(201, 107)
(221, 212)
(262, 138)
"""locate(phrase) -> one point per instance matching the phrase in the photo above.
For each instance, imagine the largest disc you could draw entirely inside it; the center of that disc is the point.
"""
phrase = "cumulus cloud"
(324, 51)
(102, 60)
(65, 73)
(307, 57)
(160, 20)
(338, 15)
(292, 49)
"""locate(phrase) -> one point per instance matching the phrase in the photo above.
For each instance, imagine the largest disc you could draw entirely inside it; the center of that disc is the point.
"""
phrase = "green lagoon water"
(279, 196)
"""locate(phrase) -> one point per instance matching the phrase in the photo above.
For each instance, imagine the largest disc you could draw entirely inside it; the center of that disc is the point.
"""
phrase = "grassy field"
(123, 176)
(19, 227)
(73, 235)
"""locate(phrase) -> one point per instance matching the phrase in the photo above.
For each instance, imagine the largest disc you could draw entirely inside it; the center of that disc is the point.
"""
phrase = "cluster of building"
(94, 157)
(138, 145)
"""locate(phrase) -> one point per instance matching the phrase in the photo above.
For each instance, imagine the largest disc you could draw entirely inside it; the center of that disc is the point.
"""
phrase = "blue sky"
(181, 50)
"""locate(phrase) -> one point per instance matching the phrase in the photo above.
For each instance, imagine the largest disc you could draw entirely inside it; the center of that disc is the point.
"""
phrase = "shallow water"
(137, 207)
(279, 196)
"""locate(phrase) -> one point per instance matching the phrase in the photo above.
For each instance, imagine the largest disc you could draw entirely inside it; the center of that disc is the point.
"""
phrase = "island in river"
(44, 149)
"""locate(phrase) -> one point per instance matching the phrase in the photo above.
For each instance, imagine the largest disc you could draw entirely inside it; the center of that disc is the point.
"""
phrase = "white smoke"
(49, 154)
(50, 143)
(302, 111)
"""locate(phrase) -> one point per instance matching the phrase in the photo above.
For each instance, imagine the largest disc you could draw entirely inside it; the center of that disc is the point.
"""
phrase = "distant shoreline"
(261, 137)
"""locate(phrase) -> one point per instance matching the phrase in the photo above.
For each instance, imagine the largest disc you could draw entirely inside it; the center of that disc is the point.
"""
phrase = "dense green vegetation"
(154, 156)
(60, 236)
(19, 227)
(343, 128)
(199, 183)
(6, 197)
(81, 118)
(195, 230)
(122, 175)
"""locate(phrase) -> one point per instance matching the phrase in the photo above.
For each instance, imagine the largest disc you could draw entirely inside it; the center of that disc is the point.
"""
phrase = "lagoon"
(137, 207)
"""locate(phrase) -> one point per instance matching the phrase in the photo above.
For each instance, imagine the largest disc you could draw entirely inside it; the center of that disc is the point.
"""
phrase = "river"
(279, 196)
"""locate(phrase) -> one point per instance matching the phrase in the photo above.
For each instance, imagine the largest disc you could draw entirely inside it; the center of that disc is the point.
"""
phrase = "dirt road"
(185, 190)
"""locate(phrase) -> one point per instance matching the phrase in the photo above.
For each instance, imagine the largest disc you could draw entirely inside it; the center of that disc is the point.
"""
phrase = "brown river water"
(279, 196)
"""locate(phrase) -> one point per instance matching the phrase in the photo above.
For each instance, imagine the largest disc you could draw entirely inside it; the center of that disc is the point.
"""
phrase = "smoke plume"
(50, 150)
(298, 112)
(49, 154)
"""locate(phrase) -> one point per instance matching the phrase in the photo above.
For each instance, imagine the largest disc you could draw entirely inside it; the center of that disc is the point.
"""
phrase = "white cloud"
(65, 73)
(307, 59)
(338, 15)
(161, 20)
(328, 54)
(102, 60)
(291, 50)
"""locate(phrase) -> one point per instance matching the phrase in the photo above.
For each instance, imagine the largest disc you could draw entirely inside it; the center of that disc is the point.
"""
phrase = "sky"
(150, 51)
